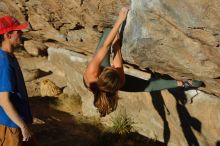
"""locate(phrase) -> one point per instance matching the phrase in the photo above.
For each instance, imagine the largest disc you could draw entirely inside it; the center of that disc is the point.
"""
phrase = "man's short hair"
(2, 37)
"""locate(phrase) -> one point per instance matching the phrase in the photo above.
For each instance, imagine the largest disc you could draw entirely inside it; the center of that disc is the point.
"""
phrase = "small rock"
(30, 75)
(35, 48)
(38, 121)
(49, 88)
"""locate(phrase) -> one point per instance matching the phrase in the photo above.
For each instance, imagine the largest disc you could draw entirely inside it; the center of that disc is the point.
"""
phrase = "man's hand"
(8, 107)
(26, 133)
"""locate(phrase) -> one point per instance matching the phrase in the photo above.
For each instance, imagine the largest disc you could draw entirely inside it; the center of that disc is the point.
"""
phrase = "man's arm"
(9, 109)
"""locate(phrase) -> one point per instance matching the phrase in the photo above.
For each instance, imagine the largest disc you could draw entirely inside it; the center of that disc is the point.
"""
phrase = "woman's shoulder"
(85, 82)
(89, 82)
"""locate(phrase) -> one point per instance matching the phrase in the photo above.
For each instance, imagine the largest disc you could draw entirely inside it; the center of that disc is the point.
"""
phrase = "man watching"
(15, 114)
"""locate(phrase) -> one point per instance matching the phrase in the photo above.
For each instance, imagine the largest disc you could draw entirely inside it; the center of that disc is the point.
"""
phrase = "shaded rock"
(171, 117)
(35, 48)
(33, 88)
(49, 88)
(38, 121)
(33, 74)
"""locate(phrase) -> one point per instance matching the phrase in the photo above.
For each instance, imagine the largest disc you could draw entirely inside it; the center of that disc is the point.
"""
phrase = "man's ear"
(7, 36)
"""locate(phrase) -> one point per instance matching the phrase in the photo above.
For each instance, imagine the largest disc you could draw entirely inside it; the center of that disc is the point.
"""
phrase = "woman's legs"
(160, 84)
(106, 61)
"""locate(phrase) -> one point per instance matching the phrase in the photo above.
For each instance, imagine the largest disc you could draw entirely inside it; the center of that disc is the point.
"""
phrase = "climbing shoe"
(193, 84)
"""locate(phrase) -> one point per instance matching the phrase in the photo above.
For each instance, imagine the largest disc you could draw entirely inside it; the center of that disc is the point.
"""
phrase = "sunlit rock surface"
(181, 39)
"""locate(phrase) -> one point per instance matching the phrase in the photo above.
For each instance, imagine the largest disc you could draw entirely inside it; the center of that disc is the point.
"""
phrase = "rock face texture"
(177, 38)
(181, 39)
(74, 23)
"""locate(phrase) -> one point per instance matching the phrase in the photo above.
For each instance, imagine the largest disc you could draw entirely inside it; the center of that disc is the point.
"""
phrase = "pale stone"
(30, 75)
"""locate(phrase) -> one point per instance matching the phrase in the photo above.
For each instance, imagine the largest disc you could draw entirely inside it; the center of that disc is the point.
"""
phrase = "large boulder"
(175, 117)
(179, 38)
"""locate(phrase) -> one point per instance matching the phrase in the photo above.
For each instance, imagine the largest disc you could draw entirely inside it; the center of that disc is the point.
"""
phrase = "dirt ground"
(53, 127)
(56, 128)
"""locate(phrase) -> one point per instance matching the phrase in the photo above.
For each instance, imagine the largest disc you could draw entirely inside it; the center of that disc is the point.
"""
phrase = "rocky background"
(179, 39)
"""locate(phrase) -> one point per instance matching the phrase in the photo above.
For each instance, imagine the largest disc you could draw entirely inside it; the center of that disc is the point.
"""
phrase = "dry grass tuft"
(122, 124)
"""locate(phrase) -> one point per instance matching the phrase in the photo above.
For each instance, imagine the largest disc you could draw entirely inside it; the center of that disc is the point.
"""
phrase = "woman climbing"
(105, 80)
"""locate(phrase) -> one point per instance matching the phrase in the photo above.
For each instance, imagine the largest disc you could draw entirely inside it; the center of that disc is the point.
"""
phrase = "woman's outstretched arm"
(118, 60)
(93, 68)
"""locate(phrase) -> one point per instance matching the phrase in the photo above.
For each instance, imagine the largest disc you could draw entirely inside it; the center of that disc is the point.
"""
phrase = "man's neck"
(7, 47)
